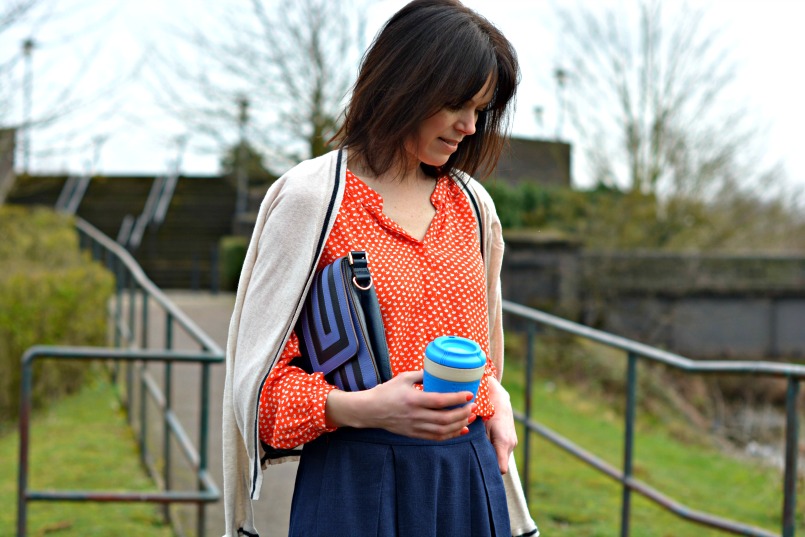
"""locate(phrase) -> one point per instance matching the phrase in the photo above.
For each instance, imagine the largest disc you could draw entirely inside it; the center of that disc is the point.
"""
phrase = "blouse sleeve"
(292, 402)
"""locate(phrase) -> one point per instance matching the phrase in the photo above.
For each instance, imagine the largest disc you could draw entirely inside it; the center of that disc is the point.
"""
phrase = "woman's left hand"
(500, 427)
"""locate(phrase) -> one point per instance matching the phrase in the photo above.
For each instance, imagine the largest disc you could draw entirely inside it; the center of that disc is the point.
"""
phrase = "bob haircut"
(430, 55)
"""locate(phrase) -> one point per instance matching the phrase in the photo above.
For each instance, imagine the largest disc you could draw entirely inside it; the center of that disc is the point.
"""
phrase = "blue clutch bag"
(340, 329)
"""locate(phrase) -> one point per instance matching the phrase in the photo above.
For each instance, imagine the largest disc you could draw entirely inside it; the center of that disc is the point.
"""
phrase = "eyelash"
(457, 107)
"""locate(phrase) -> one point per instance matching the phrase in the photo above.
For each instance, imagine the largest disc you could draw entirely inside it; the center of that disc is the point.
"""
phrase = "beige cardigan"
(292, 226)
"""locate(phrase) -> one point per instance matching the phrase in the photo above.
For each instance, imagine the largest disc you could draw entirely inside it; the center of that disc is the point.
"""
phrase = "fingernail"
(474, 408)
(472, 418)
(469, 397)
(464, 431)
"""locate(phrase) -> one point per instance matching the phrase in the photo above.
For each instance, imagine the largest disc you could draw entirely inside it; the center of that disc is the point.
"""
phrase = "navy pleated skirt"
(370, 482)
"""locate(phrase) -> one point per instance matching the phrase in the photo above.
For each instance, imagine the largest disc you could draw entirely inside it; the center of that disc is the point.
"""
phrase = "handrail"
(165, 198)
(635, 351)
(155, 210)
(135, 237)
(646, 490)
(136, 356)
(653, 353)
(208, 492)
(193, 330)
(72, 193)
(66, 193)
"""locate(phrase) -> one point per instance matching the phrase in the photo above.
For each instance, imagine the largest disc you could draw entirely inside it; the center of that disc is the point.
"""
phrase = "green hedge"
(232, 252)
(50, 293)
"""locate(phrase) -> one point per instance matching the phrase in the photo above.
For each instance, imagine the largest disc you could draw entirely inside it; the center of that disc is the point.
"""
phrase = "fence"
(141, 386)
(635, 352)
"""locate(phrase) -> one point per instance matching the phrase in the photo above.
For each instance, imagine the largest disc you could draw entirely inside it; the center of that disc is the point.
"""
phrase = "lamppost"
(27, 51)
(561, 79)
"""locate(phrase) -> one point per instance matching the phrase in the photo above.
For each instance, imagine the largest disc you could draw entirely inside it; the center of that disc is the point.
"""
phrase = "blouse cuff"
(303, 420)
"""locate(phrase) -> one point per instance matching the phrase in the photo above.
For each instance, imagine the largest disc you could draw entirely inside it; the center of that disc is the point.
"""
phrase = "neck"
(408, 173)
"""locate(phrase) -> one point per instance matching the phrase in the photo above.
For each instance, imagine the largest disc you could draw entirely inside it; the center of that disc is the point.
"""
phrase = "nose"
(466, 122)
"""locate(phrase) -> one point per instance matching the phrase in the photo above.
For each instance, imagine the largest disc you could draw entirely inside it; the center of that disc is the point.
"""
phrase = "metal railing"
(635, 352)
(131, 281)
(72, 193)
(141, 387)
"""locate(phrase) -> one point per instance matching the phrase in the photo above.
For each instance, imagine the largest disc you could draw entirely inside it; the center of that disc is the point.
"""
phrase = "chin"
(436, 162)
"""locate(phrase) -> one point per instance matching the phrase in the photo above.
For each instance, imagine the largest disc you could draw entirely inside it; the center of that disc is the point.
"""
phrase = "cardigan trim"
(283, 454)
(477, 211)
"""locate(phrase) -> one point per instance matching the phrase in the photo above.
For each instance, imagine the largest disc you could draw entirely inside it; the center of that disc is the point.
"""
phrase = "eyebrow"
(483, 104)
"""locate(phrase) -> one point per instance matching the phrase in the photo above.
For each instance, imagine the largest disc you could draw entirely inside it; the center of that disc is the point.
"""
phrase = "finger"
(443, 421)
(503, 458)
(433, 431)
(412, 377)
(445, 400)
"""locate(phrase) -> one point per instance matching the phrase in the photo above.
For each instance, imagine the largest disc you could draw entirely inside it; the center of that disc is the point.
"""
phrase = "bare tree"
(48, 51)
(293, 61)
(12, 14)
(15, 10)
(652, 101)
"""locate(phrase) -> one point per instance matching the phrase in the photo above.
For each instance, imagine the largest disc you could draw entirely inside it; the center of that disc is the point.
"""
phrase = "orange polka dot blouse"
(426, 289)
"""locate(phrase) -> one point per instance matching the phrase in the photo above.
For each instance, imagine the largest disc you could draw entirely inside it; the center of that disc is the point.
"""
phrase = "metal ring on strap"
(359, 286)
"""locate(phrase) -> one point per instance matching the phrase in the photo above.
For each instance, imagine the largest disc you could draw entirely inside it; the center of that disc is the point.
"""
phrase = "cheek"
(437, 124)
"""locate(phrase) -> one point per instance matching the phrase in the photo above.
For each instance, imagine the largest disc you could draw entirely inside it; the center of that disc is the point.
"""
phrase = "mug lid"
(455, 351)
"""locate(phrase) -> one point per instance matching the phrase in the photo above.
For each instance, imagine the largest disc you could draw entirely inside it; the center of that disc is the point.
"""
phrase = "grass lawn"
(567, 497)
(81, 443)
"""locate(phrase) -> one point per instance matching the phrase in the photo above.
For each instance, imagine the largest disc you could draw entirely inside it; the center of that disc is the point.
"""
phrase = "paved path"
(211, 313)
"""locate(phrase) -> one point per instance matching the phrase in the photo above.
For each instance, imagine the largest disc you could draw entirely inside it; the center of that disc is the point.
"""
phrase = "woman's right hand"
(399, 407)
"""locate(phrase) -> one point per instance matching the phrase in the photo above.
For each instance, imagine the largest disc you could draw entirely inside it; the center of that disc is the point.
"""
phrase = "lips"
(452, 144)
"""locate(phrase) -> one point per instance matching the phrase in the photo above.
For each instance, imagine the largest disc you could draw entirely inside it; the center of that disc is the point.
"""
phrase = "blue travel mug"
(453, 364)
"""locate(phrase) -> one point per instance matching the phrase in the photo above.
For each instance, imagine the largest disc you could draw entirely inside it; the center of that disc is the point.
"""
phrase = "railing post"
(143, 417)
(144, 321)
(166, 431)
(791, 455)
(628, 441)
(132, 338)
(118, 272)
(132, 308)
(202, 442)
(529, 375)
(25, 427)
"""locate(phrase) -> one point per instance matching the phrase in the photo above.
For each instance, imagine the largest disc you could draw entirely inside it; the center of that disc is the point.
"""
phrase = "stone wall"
(703, 306)
(545, 162)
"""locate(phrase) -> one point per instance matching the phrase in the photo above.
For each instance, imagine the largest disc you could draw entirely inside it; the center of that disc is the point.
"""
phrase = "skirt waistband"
(382, 436)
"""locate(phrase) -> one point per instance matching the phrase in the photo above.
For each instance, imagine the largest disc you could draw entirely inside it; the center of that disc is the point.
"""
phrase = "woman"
(427, 111)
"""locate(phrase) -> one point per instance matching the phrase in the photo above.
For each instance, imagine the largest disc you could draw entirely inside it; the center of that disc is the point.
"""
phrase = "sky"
(95, 56)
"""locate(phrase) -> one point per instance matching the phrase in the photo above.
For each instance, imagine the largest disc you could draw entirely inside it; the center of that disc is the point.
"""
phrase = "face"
(440, 134)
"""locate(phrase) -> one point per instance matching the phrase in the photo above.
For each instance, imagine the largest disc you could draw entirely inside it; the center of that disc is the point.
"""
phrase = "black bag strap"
(364, 291)
(359, 262)
(476, 209)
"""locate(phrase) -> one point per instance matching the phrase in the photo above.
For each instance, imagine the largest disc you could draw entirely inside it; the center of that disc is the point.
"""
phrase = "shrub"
(50, 293)
(232, 253)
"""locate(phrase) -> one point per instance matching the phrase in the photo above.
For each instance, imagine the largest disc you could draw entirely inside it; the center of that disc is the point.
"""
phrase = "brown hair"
(431, 54)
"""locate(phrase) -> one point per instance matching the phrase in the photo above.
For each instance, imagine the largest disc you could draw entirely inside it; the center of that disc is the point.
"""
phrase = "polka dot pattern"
(426, 289)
